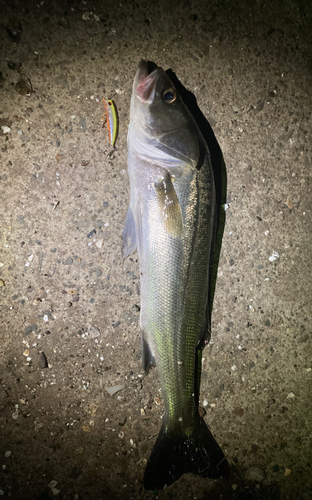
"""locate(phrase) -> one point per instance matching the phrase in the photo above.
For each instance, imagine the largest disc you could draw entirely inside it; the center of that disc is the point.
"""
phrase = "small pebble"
(5, 129)
(113, 390)
(202, 412)
(52, 484)
(89, 235)
(254, 474)
(7, 454)
(274, 256)
(93, 332)
(43, 362)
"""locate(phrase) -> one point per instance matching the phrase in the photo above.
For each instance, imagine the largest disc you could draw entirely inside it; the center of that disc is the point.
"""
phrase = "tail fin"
(175, 454)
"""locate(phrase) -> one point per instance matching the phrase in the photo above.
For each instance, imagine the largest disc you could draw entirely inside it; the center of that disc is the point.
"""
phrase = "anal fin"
(148, 358)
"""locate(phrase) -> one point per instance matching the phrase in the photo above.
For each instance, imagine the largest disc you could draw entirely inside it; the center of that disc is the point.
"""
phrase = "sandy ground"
(66, 292)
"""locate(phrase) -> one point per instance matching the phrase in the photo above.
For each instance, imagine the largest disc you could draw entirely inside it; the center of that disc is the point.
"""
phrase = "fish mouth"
(145, 80)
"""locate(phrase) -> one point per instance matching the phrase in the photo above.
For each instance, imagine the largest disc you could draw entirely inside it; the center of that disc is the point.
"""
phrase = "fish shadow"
(219, 172)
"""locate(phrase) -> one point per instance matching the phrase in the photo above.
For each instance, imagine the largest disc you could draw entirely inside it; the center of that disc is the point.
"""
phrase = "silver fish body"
(171, 222)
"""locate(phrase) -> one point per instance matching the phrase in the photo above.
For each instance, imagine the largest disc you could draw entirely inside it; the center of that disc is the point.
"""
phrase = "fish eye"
(169, 96)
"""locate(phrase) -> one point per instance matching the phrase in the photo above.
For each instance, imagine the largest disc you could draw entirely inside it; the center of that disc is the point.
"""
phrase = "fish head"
(162, 129)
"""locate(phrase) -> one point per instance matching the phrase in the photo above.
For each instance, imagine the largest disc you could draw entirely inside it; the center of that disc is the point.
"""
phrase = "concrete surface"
(65, 290)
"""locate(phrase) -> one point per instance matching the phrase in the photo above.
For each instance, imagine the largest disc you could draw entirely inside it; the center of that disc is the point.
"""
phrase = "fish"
(111, 119)
(171, 221)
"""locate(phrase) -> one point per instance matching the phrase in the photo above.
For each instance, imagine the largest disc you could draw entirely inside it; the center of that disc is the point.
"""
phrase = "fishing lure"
(111, 116)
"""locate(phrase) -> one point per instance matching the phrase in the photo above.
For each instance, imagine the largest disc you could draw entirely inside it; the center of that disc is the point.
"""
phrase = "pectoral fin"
(168, 205)
(132, 231)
